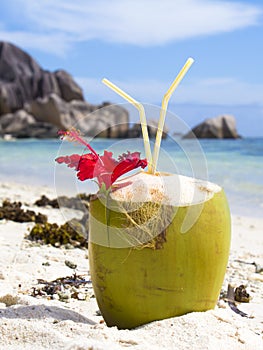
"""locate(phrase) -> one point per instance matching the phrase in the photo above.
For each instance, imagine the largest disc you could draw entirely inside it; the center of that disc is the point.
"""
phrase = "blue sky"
(140, 45)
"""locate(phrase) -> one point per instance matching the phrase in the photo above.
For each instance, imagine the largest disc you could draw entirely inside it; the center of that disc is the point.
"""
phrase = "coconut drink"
(158, 242)
(144, 265)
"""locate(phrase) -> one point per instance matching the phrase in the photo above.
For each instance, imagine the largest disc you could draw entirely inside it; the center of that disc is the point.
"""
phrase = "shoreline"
(53, 192)
(36, 322)
(235, 166)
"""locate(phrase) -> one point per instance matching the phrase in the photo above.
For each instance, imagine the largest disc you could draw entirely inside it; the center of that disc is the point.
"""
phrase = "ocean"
(236, 165)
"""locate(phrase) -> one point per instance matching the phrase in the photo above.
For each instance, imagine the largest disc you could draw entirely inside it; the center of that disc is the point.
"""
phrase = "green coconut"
(154, 255)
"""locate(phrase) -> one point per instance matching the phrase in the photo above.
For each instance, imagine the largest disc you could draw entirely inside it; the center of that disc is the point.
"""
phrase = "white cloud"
(56, 44)
(219, 91)
(137, 22)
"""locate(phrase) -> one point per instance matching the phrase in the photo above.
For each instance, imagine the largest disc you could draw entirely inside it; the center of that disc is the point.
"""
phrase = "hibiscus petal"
(105, 178)
(129, 155)
(131, 162)
(108, 162)
(86, 167)
(71, 161)
(84, 164)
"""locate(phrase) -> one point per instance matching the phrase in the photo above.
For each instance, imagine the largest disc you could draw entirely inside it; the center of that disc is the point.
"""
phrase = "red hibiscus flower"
(105, 168)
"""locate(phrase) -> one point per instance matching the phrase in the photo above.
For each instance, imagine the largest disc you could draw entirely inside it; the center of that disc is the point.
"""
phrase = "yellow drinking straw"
(140, 108)
(165, 101)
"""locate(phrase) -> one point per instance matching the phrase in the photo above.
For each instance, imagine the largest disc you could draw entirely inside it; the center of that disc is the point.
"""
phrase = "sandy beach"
(38, 322)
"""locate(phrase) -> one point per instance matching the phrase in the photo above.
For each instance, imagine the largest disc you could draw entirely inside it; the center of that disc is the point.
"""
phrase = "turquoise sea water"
(236, 165)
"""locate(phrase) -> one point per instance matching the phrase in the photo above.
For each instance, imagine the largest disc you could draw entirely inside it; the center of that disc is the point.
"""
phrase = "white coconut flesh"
(170, 189)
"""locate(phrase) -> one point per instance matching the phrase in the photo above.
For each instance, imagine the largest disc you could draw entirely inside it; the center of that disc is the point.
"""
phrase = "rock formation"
(221, 127)
(36, 103)
(23, 80)
(21, 125)
(152, 125)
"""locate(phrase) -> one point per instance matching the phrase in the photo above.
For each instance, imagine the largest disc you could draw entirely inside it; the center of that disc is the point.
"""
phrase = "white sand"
(36, 323)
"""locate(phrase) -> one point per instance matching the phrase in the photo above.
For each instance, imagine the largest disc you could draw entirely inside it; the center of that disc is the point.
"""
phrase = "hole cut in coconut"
(138, 214)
